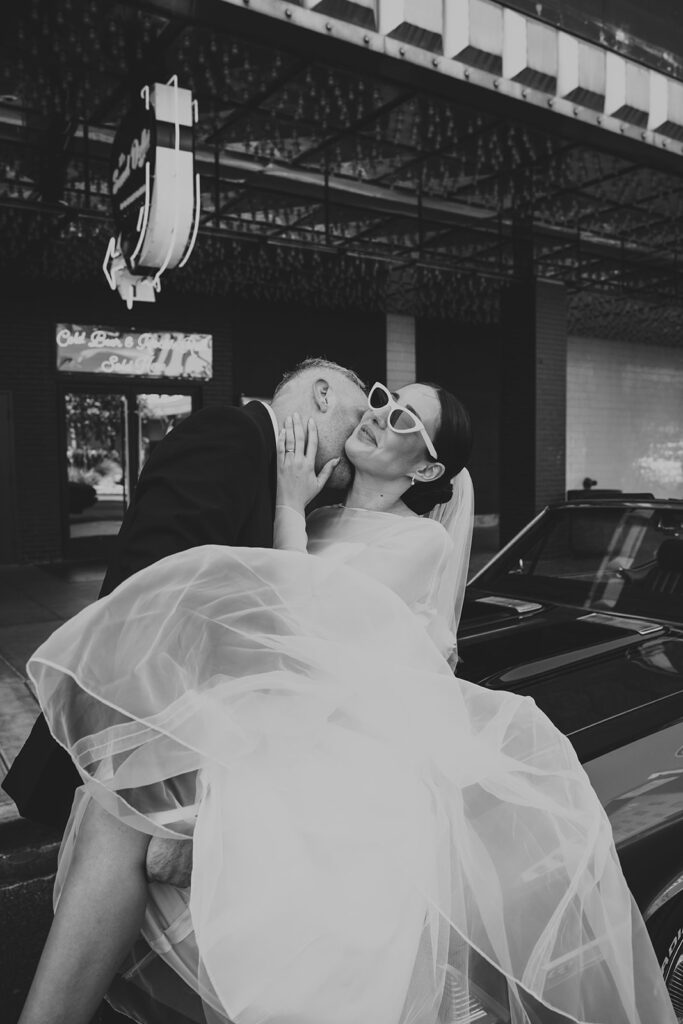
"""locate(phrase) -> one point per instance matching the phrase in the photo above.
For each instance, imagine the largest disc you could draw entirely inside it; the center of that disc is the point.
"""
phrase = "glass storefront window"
(157, 415)
(98, 484)
(109, 435)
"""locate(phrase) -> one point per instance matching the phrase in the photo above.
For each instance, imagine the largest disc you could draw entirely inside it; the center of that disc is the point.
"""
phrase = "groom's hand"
(169, 861)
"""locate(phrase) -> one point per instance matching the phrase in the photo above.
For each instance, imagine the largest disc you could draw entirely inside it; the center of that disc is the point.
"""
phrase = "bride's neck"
(376, 495)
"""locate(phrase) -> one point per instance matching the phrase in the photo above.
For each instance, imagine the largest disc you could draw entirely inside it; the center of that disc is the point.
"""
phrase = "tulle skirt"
(375, 841)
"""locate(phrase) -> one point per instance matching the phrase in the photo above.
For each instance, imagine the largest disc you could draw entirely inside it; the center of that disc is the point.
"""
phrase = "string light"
(70, 64)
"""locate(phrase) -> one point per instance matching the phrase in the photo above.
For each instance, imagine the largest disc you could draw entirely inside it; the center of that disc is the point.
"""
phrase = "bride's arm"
(297, 482)
(289, 529)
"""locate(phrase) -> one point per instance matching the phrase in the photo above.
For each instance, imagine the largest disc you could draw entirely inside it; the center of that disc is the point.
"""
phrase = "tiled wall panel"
(625, 416)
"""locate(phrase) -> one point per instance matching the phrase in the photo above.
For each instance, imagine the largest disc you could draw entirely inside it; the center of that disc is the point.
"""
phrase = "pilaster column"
(400, 350)
(533, 401)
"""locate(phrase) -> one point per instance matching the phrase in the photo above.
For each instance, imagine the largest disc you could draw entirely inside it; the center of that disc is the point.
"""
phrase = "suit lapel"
(257, 412)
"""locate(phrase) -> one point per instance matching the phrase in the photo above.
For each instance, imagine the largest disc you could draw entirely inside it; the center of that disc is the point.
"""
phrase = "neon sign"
(167, 354)
(134, 160)
(155, 191)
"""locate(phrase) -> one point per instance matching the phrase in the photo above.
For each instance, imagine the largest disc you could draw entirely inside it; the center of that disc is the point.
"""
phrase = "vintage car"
(583, 611)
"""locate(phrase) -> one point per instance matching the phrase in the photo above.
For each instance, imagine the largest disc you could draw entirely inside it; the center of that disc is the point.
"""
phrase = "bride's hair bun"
(422, 498)
(453, 443)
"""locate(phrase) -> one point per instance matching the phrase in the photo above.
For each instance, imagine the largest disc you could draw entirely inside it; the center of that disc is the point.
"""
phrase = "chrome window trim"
(666, 894)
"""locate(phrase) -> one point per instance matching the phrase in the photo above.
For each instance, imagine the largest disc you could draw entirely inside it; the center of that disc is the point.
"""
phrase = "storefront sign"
(154, 191)
(167, 354)
(132, 174)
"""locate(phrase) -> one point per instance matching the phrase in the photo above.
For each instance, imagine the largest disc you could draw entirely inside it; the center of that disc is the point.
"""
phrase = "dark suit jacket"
(210, 481)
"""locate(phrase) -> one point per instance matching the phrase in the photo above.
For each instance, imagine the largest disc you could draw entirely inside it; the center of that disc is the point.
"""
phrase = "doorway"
(108, 436)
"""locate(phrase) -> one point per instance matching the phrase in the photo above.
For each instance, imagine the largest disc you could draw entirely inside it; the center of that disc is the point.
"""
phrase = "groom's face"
(346, 403)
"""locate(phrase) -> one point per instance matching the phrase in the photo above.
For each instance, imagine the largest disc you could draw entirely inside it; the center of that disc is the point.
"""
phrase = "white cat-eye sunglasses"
(401, 419)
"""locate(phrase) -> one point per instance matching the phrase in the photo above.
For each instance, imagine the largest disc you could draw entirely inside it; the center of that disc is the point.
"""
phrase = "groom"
(210, 481)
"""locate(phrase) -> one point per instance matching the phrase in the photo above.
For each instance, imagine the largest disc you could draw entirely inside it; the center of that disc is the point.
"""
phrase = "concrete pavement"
(34, 601)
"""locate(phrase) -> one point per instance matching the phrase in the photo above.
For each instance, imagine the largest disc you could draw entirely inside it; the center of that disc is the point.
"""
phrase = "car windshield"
(627, 560)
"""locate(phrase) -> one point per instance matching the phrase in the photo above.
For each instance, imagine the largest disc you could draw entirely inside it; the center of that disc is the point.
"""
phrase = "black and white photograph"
(341, 512)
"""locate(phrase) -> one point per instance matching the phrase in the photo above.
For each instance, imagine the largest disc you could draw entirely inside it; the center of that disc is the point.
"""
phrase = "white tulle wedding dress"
(375, 840)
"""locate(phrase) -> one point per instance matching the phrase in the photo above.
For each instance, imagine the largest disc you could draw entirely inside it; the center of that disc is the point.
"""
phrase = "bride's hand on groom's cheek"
(169, 861)
(297, 481)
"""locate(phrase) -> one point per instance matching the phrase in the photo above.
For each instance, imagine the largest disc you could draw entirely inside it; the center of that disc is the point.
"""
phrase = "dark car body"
(583, 611)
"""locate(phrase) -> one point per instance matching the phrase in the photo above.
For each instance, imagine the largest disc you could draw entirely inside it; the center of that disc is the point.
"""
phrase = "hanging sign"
(154, 190)
(168, 354)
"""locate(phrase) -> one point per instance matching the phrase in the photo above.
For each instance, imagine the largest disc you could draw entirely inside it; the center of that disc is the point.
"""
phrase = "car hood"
(604, 680)
(505, 641)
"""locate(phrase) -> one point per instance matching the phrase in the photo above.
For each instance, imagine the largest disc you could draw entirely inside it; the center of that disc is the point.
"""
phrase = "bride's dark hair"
(453, 443)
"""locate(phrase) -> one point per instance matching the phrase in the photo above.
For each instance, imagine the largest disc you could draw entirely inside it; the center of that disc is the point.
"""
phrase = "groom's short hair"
(324, 365)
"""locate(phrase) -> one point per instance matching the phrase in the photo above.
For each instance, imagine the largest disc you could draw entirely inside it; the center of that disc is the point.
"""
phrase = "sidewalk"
(34, 601)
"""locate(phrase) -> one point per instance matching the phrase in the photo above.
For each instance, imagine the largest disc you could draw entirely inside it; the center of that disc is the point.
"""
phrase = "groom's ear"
(429, 472)
(321, 390)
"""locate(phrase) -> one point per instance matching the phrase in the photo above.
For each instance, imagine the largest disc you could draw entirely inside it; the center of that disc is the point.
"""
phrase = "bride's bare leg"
(97, 920)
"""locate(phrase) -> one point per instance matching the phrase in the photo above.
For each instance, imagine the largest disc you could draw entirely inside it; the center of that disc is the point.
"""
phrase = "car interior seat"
(666, 576)
(660, 591)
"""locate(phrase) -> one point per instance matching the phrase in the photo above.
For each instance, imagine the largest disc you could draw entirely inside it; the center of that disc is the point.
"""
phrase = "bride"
(375, 840)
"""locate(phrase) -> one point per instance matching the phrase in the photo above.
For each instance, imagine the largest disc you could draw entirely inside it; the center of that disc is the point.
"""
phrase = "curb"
(27, 851)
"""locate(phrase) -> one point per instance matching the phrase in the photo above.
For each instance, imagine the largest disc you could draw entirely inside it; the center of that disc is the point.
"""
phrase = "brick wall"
(252, 347)
(625, 416)
(517, 469)
(26, 370)
(551, 392)
(532, 417)
(268, 340)
(220, 390)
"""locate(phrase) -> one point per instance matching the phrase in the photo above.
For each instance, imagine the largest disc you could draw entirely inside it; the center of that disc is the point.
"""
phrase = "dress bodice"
(409, 554)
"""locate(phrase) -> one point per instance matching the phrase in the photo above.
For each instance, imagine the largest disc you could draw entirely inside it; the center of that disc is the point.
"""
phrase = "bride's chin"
(351, 449)
(356, 456)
